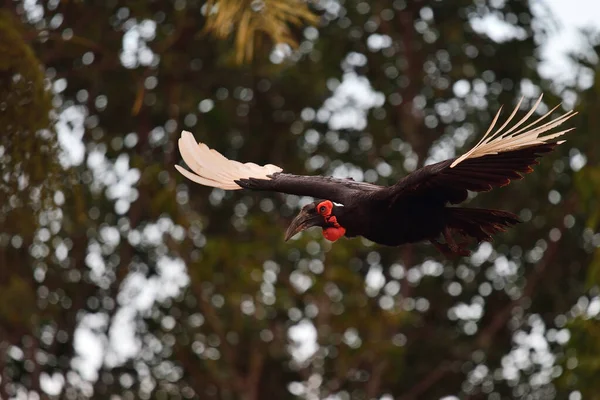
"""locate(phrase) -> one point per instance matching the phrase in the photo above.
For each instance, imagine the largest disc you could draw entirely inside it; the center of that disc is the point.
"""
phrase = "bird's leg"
(457, 249)
(465, 240)
(442, 247)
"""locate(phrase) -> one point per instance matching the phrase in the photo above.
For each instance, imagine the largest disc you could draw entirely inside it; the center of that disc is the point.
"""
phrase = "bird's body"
(392, 225)
(421, 206)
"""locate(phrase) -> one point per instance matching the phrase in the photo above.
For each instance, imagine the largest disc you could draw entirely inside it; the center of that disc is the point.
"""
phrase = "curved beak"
(302, 221)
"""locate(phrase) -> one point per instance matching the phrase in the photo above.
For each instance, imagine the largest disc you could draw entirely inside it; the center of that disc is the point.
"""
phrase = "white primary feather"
(211, 168)
(500, 142)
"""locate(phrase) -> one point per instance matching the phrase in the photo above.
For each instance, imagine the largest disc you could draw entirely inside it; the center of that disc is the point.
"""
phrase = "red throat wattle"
(333, 234)
(336, 231)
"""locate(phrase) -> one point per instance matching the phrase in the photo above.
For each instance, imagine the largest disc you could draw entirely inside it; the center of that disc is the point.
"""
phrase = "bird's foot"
(461, 251)
(451, 250)
(442, 247)
(458, 248)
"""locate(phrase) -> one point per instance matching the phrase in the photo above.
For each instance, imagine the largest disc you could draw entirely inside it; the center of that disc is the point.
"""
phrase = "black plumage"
(418, 207)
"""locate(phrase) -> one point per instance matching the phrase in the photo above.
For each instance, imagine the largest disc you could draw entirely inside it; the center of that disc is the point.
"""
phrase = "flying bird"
(419, 207)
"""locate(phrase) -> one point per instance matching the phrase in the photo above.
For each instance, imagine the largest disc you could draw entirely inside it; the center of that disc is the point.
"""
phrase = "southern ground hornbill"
(412, 210)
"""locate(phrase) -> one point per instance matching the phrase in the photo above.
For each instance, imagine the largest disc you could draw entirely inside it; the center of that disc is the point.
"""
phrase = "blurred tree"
(29, 153)
(30, 175)
(137, 284)
(580, 359)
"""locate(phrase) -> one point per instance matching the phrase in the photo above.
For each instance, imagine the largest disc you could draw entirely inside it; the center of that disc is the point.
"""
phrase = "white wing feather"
(211, 168)
(500, 142)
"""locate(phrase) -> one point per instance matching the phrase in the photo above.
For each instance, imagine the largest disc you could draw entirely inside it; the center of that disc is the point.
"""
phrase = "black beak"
(302, 221)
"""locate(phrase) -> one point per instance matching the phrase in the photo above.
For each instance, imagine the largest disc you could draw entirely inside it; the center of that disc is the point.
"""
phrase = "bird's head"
(320, 213)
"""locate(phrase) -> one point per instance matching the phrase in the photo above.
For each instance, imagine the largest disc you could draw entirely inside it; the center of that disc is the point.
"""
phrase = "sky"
(571, 15)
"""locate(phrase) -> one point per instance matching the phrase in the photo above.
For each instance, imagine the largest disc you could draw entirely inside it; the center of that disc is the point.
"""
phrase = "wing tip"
(528, 136)
(211, 168)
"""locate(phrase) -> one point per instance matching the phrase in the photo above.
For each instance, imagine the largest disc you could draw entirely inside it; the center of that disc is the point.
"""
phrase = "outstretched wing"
(321, 187)
(211, 168)
(497, 159)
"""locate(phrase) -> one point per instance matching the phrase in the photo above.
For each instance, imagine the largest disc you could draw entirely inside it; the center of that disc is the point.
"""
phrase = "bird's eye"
(322, 209)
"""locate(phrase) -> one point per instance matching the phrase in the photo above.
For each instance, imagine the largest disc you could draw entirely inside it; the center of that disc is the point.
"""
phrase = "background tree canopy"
(120, 279)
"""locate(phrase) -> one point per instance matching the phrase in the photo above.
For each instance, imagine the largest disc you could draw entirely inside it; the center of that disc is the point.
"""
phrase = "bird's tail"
(480, 223)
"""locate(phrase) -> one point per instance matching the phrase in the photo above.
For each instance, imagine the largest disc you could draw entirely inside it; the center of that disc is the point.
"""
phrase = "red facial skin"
(336, 231)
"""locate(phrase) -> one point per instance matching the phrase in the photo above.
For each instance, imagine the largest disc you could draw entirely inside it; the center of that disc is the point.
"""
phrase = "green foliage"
(17, 291)
(581, 361)
(28, 153)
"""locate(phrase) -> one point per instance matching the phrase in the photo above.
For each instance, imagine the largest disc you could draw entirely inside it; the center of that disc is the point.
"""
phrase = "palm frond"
(247, 19)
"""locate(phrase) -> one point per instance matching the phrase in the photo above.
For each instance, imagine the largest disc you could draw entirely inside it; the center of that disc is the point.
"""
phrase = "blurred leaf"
(248, 20)
(28, 150)
(581, 362)
(17, 291)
